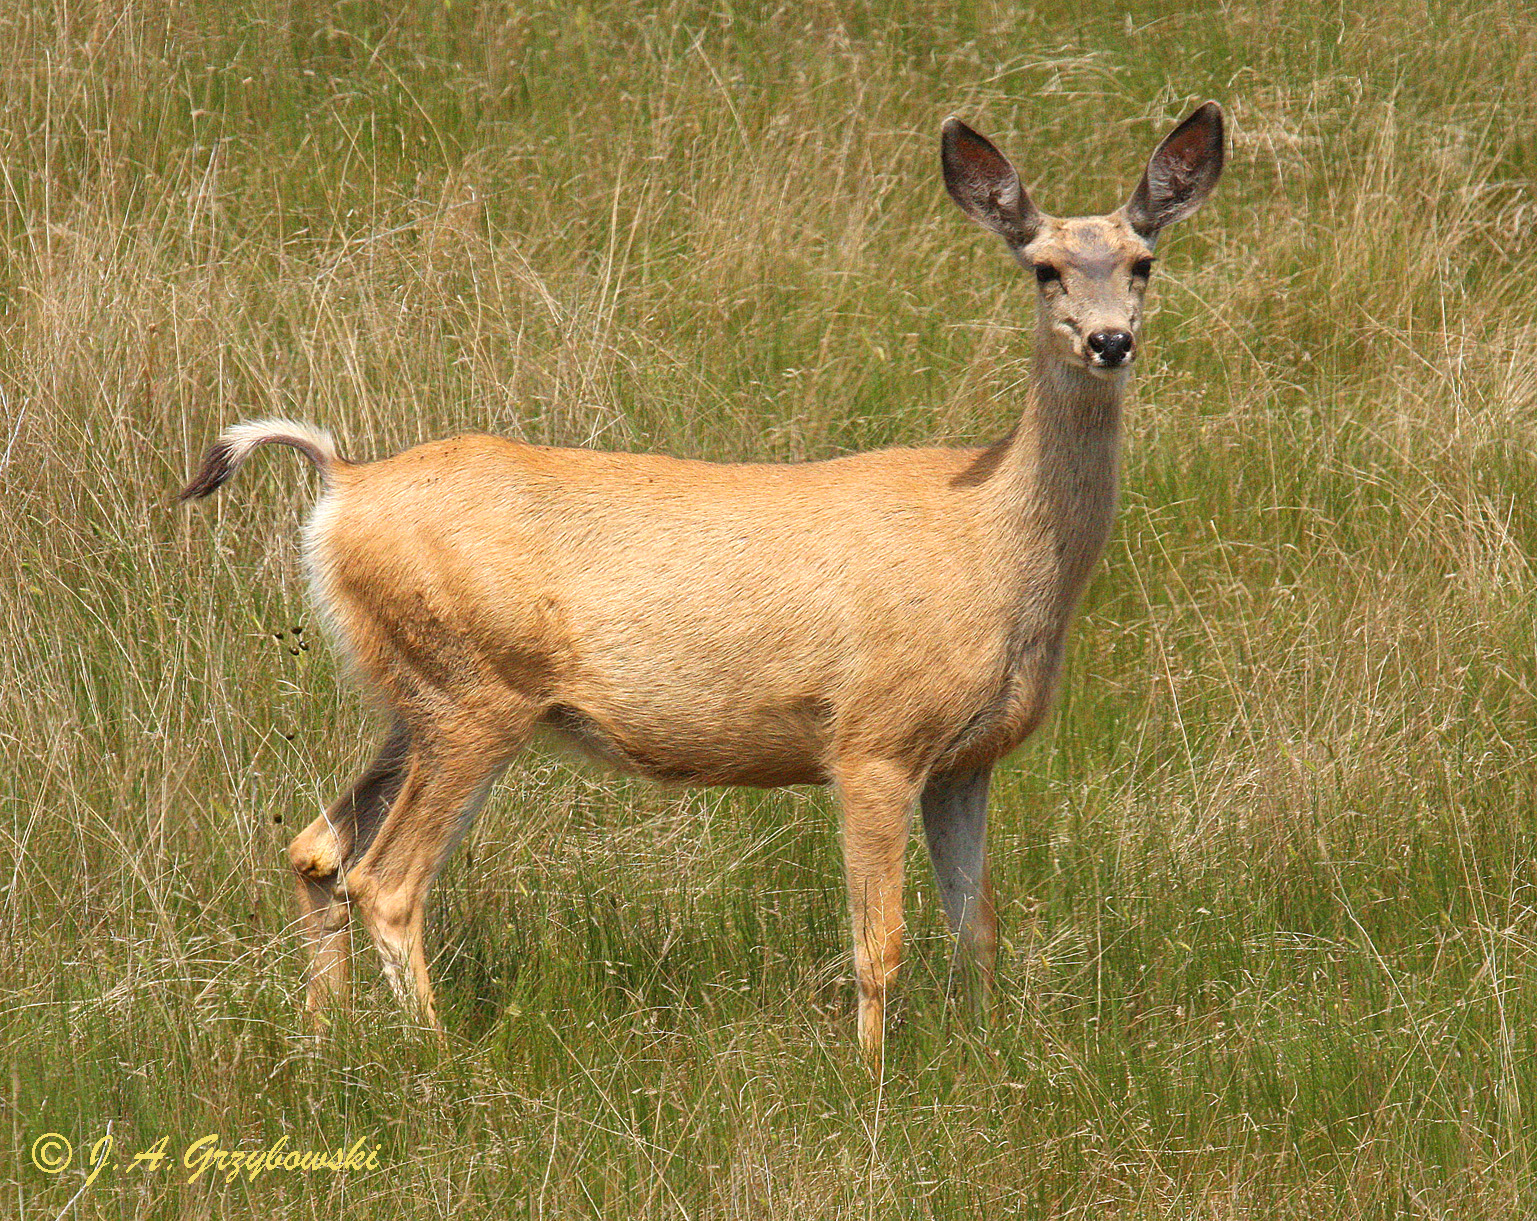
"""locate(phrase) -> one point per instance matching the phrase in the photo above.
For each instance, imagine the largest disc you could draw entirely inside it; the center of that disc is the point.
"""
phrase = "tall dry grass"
(1267, 877)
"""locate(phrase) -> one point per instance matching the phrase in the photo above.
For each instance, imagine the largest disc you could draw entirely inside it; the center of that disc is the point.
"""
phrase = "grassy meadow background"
(1266, 880)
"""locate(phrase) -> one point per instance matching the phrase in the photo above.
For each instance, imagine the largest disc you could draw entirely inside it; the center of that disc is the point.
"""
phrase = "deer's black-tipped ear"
(984, 184)
(1180, 174)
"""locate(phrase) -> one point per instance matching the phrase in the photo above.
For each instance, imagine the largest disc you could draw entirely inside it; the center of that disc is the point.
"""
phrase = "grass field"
(1267, 879)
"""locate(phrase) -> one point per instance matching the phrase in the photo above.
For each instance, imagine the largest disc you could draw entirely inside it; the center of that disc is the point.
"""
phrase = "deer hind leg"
(955, 825)
(449, 776)
(320, 852)
(877, 801)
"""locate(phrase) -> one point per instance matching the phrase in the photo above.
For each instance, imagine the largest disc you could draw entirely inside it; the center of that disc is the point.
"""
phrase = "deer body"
(897, 598)
(890, 623)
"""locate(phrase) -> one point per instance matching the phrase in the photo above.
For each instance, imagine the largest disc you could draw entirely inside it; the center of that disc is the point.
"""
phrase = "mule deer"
(891, 623)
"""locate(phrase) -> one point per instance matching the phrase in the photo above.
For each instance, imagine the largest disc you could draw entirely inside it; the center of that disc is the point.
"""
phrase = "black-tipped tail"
(235, 444)
(211, 476)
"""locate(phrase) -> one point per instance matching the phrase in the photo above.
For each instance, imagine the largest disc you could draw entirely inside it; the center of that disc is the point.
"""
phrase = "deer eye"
(1045, 273)
(1142, 268)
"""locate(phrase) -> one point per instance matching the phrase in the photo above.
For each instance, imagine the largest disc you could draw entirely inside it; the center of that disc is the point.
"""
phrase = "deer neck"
(1060, 472)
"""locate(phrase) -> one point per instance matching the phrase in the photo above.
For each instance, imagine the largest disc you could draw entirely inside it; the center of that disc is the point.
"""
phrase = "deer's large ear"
(984, 184)
(1180, 174)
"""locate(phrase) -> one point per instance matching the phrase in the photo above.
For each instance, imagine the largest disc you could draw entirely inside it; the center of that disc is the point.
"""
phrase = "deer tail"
(235, 444)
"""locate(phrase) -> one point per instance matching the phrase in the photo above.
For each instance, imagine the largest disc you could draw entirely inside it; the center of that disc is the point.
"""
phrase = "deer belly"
(762, 747)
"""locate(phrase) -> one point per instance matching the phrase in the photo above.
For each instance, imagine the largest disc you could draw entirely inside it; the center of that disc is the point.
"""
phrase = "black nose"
(1112, 347)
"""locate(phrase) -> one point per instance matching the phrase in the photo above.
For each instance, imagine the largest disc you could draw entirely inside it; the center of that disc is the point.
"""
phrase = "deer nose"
(1112, 348)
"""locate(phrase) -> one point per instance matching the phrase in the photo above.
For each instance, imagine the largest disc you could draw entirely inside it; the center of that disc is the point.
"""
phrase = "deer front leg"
(955, 825)
(877, 800)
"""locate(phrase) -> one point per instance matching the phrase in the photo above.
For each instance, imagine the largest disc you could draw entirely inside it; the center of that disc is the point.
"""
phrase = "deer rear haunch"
(890, 623)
